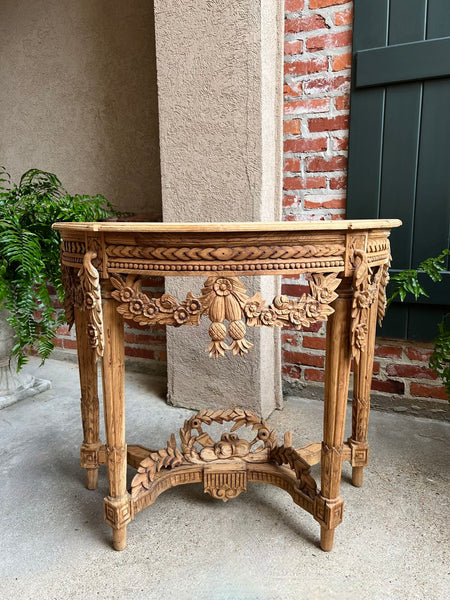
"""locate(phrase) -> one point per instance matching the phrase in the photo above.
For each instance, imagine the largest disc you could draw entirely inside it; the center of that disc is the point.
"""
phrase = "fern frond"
(29, 254)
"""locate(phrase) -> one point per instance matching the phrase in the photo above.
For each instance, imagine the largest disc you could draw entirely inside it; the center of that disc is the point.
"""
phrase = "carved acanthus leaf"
(288, 455)
(90, 285)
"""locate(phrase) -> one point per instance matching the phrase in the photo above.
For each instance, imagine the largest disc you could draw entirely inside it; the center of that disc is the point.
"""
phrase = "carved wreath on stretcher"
(225, 299)
(199, 449)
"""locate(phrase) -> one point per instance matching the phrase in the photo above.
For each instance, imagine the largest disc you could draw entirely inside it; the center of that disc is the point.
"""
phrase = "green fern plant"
(29, 254)
(407, 282)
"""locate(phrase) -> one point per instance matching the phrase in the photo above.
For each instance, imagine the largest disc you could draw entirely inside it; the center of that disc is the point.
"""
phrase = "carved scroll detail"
(90, 284)
(224, 462)
(224, 298)
(365, 292)
(224, 485)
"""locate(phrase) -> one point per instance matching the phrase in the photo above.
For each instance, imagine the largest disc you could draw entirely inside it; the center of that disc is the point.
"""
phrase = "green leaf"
(29, 253)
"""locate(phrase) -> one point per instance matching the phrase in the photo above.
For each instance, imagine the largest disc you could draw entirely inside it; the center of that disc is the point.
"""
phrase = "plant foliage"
(408, 282)
(29, 254)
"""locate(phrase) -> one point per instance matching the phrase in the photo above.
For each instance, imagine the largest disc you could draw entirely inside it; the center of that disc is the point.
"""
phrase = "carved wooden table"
(348, 265)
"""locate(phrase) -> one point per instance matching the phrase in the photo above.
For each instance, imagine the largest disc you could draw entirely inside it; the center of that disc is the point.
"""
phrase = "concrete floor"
(54, 544)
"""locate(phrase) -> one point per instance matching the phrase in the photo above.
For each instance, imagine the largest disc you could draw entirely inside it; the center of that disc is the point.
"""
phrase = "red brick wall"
(318, 35)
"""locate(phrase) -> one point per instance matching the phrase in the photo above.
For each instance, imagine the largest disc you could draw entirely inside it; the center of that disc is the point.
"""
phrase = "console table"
(347, 265)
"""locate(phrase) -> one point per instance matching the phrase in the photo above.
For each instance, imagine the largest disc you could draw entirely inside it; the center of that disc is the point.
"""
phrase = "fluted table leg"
(361, 402)
(117, 504)
(337, 371)
(89, 400)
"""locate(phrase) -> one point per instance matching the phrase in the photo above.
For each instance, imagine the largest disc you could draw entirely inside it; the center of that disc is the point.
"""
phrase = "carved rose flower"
(92, 335)
(269, 317)
(223, 287)
(89, 300)
(252, 309)
(298, 316)
(324, 295)
(313, 309)
(193, 306)
(181, 315)
(363, 299)
(126, 294)
(150, 310)
(136, 305)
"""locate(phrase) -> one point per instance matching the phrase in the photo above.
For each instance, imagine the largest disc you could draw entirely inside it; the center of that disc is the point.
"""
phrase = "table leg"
(361, 401)
(117, 504)
(87, 365)
(337, 372)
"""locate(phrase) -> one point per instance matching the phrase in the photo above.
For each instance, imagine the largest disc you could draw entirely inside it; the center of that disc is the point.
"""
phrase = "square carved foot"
(329, 513)
(360, 453)
(117, 512)
(89, 455)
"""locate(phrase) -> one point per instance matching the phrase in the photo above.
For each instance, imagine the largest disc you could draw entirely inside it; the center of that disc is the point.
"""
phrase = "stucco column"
(219, 69)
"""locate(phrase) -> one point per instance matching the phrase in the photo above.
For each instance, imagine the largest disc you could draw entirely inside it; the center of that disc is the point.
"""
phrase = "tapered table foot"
(91, 479)
(120, 538)
(326, 539)
(357, 476)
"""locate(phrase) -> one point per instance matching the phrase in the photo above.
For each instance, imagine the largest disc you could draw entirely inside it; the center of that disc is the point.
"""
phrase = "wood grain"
(116, 506)
(348, 263)
(87, 363)
(231, 227)
(337, 371)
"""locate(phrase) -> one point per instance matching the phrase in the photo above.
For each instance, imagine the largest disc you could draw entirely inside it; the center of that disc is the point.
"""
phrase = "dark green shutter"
(399, 146)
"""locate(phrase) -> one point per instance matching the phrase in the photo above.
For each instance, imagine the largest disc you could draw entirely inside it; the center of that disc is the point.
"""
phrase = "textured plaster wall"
(78, 96)
(219, 84)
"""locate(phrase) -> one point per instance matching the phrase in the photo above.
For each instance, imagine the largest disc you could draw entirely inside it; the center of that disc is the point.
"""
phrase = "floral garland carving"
(145, 310)
(200, 449)
(90, 284)
(225, 299)
(365, 292)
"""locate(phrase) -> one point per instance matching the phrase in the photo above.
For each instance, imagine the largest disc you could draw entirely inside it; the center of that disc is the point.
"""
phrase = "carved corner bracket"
(225, 299)
(223, 466)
